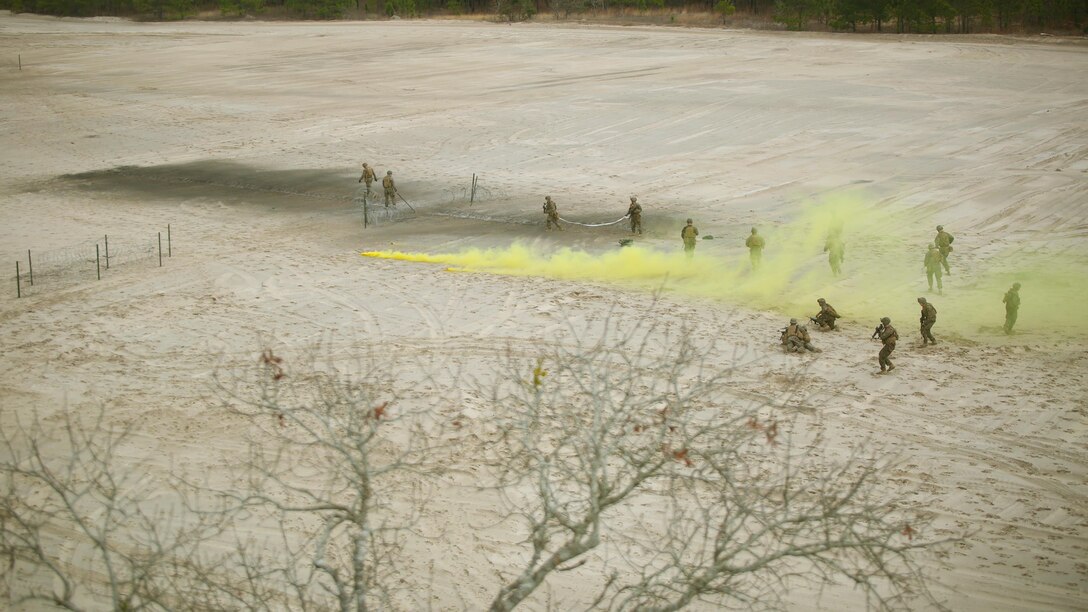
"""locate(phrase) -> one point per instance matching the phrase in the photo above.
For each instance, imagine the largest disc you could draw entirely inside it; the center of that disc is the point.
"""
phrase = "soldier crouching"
(796, 339)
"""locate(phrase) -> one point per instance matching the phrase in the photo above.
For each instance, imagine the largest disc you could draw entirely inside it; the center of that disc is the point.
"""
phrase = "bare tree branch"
(632, 416)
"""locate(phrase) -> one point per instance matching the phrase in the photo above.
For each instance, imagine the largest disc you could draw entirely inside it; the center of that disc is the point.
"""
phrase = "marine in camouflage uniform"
(944, 245)
(755, 244)
(928, 318)
(836, 251)
(888, 336)
(688, 234)
(933, 264)
(552, 213)
(827, 315)
(390, 189)
(635, 212)
(368, 176)
(1012, 306)
(796, 339)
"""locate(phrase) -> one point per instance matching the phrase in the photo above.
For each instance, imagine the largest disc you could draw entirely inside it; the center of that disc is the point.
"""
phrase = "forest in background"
(896, 16)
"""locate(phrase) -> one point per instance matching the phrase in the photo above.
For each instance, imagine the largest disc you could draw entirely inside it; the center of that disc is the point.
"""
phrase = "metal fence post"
(31, 263)
(18, 282)
(160, 249)
(169, 243)
(97, 262)
(107, 252)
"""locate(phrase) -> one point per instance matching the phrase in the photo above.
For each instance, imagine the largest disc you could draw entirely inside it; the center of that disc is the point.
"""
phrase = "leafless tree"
(336, 476)
(82, 524)
(331, 485)
(746, 500)
(630, 436)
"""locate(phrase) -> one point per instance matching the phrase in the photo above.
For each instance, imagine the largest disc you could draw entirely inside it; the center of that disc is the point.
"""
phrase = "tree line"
(922, 16)
(934, 16)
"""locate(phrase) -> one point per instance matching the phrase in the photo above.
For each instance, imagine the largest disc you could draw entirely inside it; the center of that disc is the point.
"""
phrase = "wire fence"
(50, 269)
(372, 208)
(461, 195)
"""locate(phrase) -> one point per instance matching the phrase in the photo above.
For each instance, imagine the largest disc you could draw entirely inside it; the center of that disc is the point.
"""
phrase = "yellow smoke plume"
(882, 273)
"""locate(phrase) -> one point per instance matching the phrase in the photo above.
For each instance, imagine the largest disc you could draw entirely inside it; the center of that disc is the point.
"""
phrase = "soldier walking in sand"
(928, 318)
(1012, 306)
(552, 213)
(755, 244)
(944, 245)
(688, 235)
(836, 251)
(932, 263)
(368, 176)
(635, 212)
(888, 336)
(390, 189)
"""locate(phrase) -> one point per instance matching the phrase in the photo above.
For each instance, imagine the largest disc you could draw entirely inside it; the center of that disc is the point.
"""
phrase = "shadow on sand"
(225, 181)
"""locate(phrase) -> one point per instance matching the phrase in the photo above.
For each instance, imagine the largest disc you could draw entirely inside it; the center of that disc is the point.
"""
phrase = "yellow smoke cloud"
(883, 272)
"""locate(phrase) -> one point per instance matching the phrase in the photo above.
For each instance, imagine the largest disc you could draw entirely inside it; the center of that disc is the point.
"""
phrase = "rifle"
(405, 201)
(879, 330)
(813, 319)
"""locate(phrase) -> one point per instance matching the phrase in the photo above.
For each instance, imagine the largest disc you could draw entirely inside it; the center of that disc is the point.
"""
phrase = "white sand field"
(246, 138)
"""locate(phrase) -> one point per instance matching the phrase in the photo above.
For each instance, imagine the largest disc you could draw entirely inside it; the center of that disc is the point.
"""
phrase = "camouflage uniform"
(390, 189)
(928, 318)
(368, 176)
(635, 212)
(836, 252)
(688, 234)
(944, 245)
(552, 212)
(888, 336)
(1012, 306)
(932, 263)
(796, 339)
(755, 244)
(827, 315)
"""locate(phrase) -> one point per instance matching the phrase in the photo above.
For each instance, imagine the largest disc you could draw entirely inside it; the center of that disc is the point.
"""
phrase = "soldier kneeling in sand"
(827, 315)
(796, 339)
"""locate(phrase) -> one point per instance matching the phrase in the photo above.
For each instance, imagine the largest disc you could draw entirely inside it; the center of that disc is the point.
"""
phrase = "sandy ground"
(246, 140)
